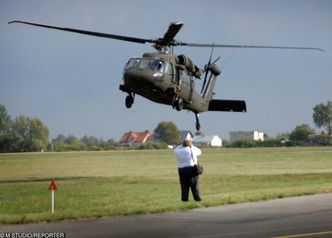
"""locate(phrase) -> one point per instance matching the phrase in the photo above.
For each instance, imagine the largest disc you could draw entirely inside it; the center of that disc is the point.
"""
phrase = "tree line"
(71, 143)
(26, 134)
(22, 134)
(301, 135)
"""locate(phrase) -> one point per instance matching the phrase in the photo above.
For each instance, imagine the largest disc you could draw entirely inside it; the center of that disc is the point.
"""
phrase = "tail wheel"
(197, 124)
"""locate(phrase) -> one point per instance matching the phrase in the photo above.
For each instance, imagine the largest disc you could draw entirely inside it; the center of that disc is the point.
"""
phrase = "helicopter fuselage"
(164, 78)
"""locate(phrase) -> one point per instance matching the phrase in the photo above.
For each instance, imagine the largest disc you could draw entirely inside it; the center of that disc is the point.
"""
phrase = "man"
(186, 155)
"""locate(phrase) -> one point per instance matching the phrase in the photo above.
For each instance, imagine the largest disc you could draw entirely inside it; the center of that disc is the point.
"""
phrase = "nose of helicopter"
(142, 78)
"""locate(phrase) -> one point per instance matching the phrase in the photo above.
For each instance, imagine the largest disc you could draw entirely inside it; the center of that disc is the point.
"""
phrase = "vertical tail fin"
(208, 85)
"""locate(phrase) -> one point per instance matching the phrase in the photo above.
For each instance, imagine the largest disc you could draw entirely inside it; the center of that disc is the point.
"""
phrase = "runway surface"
(307, 216)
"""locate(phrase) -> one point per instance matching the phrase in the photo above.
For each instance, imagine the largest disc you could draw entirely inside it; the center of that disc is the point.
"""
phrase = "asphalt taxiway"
(306, 216)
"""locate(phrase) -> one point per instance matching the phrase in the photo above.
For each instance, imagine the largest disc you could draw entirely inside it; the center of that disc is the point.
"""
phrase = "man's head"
(186, 142)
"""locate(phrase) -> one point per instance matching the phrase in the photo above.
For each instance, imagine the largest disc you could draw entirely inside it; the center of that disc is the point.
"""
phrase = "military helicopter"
(167, 78)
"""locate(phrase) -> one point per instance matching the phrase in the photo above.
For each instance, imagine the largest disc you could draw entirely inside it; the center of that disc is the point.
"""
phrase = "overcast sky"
(71, 82)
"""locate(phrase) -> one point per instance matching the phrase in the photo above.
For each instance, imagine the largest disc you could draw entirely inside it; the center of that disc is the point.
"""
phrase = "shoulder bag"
(197, 169)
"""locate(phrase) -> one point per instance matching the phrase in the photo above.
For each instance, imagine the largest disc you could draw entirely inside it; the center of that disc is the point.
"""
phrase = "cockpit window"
(133, 63)
(152, 64)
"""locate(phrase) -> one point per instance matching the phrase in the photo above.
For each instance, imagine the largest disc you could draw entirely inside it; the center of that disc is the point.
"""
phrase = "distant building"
(186, 135)
(132, 139)
(246, 135)
(212, 141)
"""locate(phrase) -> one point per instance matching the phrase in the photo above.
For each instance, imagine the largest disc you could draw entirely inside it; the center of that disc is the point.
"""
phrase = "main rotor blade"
(91, 33)
(247, 46)
(173, 29)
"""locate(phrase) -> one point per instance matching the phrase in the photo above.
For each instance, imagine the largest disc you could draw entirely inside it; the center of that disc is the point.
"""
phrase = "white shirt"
(187, 156)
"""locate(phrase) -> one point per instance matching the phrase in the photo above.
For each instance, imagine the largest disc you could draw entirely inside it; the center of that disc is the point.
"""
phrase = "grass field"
(113, 183)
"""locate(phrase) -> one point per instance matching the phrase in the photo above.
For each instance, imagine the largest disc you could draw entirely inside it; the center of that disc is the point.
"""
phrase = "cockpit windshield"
(132, 63)
(151, 64)
(155, 65)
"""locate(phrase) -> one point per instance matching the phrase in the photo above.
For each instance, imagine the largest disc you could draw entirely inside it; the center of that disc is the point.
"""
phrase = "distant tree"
(322, 116)
(5, 120)
(93, 143)
(67, 143)
(74, 144)
(59, 142)
(167, 132)
(109, 144)
(90, 141)
(6, 137)
(60, 137)
(30, 134)
(324, 139)
(301, 133)
(22, 134)
(71, 139)
(282, 136)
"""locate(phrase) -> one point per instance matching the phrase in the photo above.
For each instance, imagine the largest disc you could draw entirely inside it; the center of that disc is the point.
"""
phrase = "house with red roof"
(132, 139)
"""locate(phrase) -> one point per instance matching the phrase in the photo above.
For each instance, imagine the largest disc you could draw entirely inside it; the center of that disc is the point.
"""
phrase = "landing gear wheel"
(129, 101)
(178, 104)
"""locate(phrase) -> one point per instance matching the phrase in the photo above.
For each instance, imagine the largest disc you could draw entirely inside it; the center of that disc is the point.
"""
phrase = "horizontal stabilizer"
(228, 105)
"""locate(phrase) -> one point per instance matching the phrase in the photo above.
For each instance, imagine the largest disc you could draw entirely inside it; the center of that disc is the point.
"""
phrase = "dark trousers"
(188, 180)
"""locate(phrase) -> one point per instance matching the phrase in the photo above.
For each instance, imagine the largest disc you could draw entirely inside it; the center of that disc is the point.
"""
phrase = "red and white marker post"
(52, 187)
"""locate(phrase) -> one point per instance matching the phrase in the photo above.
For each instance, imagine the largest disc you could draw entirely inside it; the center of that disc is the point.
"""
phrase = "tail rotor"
(209, 68)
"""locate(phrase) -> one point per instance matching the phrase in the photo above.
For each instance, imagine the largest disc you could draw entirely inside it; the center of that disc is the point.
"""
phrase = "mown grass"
(114, 183)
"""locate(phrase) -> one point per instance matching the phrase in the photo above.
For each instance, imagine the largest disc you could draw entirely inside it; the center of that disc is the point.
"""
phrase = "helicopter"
(166, 78)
